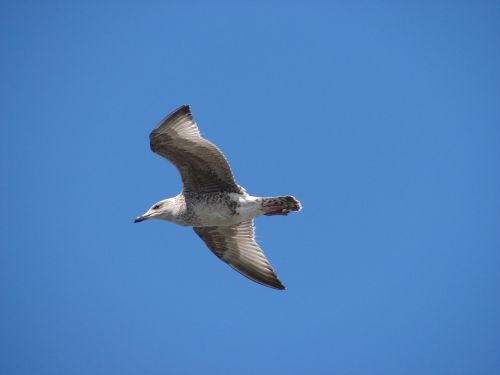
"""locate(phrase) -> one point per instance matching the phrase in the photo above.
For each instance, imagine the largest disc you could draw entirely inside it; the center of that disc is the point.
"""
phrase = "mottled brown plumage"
(203, 167)
(219, 210)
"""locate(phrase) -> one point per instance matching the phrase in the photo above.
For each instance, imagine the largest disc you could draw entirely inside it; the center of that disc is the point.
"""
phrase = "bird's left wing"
(236, 246)
(203, 167)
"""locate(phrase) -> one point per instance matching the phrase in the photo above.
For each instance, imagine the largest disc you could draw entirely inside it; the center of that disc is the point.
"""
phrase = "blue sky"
(383, 118)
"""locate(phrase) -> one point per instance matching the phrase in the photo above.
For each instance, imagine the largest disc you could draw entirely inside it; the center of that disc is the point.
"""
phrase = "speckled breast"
(220, 209)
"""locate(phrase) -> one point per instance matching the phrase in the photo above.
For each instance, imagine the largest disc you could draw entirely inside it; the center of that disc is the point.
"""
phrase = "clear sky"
(383, 118)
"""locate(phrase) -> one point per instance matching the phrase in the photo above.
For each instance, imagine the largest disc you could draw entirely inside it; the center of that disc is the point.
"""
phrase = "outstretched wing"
(202, 166)
(236, 246)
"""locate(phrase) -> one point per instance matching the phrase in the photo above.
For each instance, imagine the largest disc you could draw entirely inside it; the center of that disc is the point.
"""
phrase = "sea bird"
(220, 211)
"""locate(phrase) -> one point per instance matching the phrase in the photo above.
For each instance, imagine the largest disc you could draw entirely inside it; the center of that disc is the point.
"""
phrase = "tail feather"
(288, 202)
(294, 204)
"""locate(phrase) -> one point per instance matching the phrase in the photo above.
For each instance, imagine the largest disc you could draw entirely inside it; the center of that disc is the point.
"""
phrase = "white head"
(164, 210)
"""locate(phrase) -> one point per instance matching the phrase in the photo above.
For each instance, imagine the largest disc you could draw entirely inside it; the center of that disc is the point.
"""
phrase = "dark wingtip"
(183, 110)
(186, 108)
(276, 284)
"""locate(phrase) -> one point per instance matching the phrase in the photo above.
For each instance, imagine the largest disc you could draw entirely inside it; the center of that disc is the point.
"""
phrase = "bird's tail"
(280, 205)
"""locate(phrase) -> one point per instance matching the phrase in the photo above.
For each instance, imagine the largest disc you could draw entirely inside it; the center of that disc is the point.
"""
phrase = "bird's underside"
(205, 172)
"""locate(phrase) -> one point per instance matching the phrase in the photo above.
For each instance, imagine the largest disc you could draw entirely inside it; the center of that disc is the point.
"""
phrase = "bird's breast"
(222, 209)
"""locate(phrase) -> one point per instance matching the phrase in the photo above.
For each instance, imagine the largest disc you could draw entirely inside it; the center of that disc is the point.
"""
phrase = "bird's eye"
(156, 206)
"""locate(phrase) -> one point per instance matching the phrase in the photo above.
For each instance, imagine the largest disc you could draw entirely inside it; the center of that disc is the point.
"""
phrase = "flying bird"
(219, 210)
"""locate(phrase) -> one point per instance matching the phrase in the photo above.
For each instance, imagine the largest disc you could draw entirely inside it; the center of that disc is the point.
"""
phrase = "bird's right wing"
(236, 246)
(202, 166)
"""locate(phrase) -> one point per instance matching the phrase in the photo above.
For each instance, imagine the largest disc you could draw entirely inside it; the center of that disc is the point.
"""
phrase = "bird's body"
(219, 210)
(213, 209)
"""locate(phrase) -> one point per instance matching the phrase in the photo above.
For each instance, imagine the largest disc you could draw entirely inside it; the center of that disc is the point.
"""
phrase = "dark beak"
(138, 219)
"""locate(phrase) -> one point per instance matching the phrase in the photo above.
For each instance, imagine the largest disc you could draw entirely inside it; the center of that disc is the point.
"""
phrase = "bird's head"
(164, 210)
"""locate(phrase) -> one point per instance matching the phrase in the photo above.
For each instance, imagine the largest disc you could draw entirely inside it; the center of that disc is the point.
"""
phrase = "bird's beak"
(138, 219)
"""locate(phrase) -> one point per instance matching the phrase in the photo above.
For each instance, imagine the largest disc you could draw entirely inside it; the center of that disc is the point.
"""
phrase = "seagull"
(219, 210)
